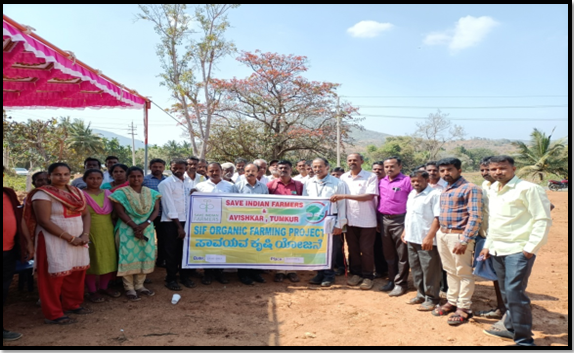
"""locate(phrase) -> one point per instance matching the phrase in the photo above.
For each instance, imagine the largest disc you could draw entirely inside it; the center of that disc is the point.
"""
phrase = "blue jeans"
(513, 272)
(329, 275)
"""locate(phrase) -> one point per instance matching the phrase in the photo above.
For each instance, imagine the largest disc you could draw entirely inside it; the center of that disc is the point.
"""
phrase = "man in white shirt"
(192, 177)
(110, 162)
(324, 185)
(274, 173)
(421, 225)
(215, 185)
(302, 169)
(519, 223)
(361, 220)
(174, 215)
(435, 181)
(239, 168)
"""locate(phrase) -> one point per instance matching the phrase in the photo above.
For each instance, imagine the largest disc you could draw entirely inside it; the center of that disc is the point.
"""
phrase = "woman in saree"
(118, 172)
(136, 206)
(103, 253)
(60, 221)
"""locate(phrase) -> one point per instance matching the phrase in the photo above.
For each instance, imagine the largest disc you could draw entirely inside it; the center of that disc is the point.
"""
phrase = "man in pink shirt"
(285, 185)
(394, 191)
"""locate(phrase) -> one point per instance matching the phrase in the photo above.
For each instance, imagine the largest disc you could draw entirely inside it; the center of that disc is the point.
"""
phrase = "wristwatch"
(463, 242)
(149, 221)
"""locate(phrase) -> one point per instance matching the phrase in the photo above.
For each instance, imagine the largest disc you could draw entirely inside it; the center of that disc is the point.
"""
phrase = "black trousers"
(381, 265)
(361, 243)
(173, 252)
(160, 241)
(8, 269)
(396, 252)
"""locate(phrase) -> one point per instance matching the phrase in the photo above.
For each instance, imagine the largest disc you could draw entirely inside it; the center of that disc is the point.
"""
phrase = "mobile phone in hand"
(145, 238)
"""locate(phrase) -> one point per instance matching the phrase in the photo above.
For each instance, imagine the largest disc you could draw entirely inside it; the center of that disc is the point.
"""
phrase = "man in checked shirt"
(460, 219)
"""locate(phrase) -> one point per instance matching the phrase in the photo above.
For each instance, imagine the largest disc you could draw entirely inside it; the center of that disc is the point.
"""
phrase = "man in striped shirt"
(460, 219)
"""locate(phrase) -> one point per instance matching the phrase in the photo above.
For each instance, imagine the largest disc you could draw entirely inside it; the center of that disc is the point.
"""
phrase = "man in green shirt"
(519, 222)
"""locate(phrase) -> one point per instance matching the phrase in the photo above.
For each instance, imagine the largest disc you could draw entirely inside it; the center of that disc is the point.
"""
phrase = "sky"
(499, 71)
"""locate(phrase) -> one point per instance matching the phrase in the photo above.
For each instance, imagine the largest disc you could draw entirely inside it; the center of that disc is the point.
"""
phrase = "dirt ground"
(299, 315)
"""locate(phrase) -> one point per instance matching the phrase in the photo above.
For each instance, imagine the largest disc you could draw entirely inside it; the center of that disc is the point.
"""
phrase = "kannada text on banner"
(257, 231)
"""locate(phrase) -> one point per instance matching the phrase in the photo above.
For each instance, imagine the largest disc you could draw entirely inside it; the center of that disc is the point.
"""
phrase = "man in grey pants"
(421, 225)
(394, 190)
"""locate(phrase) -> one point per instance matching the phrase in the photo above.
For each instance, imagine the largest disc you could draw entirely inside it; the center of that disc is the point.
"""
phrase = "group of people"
(101, 227)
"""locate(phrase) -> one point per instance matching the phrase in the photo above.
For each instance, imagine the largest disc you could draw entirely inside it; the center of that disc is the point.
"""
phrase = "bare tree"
(436, 131)
(188, 64)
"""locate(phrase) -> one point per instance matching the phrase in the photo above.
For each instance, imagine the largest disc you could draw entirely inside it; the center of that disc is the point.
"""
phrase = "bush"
(18, 182)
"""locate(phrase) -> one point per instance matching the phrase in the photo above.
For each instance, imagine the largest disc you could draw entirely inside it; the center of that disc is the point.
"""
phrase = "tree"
(471, 157)
(275, 111)
(188, 64)
(436, 131)
(541, 157)
(404, 147)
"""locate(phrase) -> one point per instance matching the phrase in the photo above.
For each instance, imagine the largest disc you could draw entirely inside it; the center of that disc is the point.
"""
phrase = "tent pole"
(145, 136)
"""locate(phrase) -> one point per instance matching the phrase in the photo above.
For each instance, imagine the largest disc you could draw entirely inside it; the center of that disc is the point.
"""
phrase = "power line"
(524, 96)
(466, 119)
(438, 107)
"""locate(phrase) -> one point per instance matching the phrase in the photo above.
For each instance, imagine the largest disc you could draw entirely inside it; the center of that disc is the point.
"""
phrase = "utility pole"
(132, 131)
(338, 132)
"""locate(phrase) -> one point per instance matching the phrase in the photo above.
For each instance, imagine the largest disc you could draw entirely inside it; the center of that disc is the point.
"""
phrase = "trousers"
(57, 294)
(513, 272)
(396, 252)
(173, 252)
(361, 243)
(458, 268)
(427, 272)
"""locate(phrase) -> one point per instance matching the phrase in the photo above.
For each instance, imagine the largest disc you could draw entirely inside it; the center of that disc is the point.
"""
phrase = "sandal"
(96, 298)
(188, 283)
(146, 292)
(79, 311)
(173, 286)
(444, 310)
(458, 319)
(132, 296)
(112, 293)
(64, 320)
(207, 280)
(293, 277)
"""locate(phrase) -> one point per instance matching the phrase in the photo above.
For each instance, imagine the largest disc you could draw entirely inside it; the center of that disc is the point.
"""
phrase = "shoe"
(355, 280)
(207, 280)
(293, 277)
(11, 336)
(318, 279)
(187, 283)
(398, 291)
(367, 284)
(222, 279)
(327, 282)
(388, 287)
(416, 300)
(246, 280)
(490, 314)
(258, 278)
(279, 277)
(340, 272)
(426, 306)
(504, 334)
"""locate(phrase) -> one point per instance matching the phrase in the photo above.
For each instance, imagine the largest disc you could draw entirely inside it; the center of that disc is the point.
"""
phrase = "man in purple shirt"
(394, 191)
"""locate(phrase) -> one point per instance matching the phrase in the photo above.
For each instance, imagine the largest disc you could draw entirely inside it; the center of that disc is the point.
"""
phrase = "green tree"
(188, 63)
(541, 156)
(404, 147)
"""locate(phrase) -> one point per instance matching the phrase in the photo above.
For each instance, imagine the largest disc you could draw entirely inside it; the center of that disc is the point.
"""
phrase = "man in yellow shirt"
(519, 222)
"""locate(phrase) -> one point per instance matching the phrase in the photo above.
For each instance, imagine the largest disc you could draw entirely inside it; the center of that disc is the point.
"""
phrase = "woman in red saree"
(60, 221)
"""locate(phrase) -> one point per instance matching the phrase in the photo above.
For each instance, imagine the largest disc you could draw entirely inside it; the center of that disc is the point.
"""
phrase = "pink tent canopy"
(38, 75)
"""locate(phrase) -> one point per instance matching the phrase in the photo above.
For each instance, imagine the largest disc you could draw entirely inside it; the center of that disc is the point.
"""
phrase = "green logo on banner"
(315, 212)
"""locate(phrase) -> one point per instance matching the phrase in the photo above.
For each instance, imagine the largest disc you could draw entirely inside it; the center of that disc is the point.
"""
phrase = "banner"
(270, 232)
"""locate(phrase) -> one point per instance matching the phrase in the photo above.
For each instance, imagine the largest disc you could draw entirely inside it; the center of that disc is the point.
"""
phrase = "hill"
(124, 141)
(363, 138)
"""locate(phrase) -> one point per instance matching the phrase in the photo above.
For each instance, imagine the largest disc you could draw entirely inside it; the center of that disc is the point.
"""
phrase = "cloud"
(368, 29)
(467, 32)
